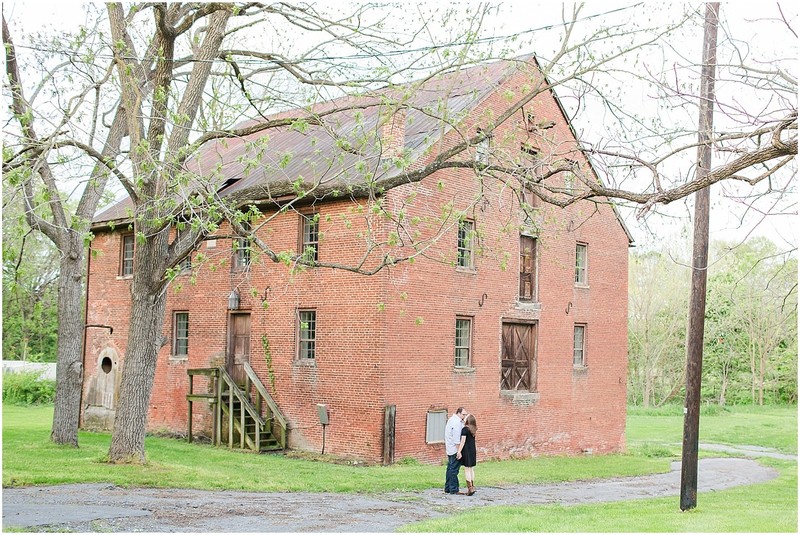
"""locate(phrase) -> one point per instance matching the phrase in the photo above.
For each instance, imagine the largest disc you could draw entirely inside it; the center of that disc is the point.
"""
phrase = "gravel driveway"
(108, 508)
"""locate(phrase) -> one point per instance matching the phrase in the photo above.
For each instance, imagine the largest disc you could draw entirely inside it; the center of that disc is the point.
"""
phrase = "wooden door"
(518, 362)
(238, 346)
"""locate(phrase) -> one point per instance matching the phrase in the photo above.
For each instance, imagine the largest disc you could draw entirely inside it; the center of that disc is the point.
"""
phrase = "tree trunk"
(148, 304)
(69, 367)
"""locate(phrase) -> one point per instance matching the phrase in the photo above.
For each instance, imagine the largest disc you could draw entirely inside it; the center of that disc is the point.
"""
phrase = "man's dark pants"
(451, 475)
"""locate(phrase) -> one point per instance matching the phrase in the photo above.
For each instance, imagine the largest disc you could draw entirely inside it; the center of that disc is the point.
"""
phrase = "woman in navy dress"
(467, 454)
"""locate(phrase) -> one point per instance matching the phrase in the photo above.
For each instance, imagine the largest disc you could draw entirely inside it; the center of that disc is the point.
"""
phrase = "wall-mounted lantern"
(233, 300)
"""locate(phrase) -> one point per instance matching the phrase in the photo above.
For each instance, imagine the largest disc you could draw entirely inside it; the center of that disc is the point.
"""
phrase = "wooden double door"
(518, 361)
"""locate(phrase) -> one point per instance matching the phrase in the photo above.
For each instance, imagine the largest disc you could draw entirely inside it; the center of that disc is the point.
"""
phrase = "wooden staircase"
(245, 415)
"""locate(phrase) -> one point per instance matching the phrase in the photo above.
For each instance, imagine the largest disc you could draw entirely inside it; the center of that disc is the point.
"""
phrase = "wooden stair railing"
(273, 414)
(256, 432)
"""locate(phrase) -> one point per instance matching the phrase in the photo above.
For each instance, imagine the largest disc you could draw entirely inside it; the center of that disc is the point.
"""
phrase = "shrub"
(27, 388)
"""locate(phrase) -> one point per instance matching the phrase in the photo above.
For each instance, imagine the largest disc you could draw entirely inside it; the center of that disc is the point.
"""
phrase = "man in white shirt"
(452, 437)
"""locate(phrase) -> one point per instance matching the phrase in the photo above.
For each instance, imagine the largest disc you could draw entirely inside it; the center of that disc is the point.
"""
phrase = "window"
(579, 346)
(527, 266)
(306, 334)
(580, 264)
(434, 429)
(533, 152)
(180, 334)
(570, 180)
(126, 255)
(482, 149)
(529, 210)
(466, 232)
(241, 250)
(531, 199)
(309, 236)
(186, 263)
(463, 342)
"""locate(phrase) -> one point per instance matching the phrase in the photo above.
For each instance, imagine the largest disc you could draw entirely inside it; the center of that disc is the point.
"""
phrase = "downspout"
(85, 321)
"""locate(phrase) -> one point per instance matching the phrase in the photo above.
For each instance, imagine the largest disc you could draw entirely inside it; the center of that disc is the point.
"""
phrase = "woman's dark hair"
(471, 425)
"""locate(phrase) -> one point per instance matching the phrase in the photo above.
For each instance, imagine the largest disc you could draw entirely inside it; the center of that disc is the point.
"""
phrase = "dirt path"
(108, 508)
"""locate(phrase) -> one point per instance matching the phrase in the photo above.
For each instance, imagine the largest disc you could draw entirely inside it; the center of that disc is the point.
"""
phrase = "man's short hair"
(460, 410)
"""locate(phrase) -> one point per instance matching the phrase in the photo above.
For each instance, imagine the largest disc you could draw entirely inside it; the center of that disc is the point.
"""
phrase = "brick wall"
(388, 339)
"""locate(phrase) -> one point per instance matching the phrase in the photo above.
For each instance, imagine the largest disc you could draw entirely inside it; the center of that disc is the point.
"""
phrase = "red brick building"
(520, 317)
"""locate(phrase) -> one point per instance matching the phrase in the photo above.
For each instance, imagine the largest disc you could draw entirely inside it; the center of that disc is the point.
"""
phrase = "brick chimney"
(393, 135)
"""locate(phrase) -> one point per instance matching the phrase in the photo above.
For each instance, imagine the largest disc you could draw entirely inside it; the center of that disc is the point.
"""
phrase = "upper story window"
(581, 260)
(180, 334)
(309, 236)
(463, 356)
(570, 180)
(126, 255)
(579, 346)
(466, 238)
(241, 249)
(482, 149)
(531, 151)
(306, 334)
(186, 263)
(527, 268)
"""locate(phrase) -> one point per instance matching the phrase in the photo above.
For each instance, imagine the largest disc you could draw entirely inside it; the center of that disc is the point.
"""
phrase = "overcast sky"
(521, 17)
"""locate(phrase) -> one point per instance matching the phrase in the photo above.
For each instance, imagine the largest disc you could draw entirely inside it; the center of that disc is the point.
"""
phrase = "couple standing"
(459, 442)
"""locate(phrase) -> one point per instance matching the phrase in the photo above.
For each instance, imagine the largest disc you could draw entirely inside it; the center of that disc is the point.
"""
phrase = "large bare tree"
(46, 207)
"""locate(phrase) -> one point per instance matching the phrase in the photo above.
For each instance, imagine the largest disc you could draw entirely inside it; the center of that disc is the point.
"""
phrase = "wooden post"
(697, 299)
(388, 434)
(191, 377)
(218, 409)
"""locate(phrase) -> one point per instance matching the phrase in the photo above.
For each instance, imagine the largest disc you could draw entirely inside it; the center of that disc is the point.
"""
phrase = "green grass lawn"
(29, 458)
(770, 427)
(654, 436)
(764, 508)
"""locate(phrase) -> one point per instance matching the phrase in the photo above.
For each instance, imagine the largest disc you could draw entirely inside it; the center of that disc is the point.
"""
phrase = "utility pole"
(697, 299)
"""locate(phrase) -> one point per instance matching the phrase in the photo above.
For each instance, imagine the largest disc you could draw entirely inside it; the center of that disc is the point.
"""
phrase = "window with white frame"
(180, 334)
(241, 249)
(126, 255)
(306, 334)
(463, 342)
(482, 150)
(466, 237)
(581, 260)
(579, 346)
(309, 236)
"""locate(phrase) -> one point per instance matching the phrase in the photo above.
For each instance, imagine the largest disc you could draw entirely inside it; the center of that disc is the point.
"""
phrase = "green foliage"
(30, 293)
(268, 359)
(27, 388)
(750, 353)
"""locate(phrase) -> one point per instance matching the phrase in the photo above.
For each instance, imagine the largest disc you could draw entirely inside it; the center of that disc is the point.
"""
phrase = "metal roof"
(260, 164)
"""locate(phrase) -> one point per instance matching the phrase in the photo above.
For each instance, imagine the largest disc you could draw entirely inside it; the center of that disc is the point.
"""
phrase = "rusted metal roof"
(261, 165)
